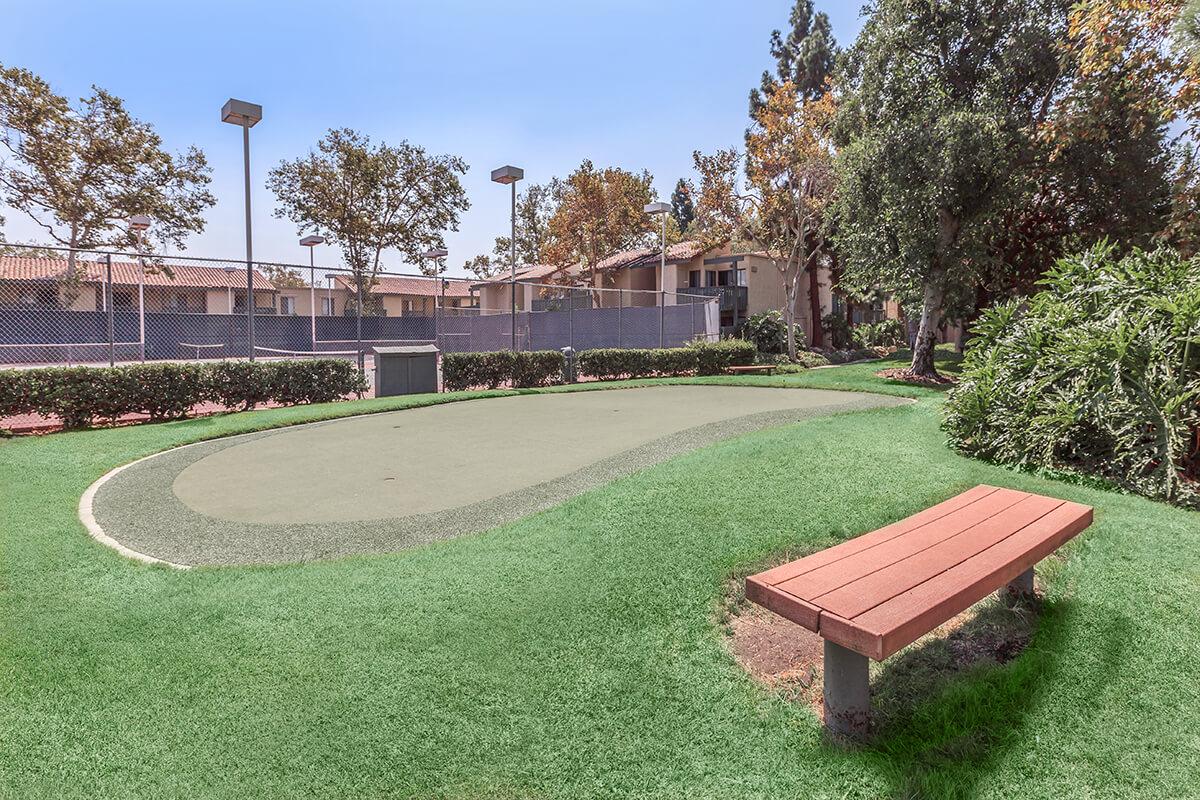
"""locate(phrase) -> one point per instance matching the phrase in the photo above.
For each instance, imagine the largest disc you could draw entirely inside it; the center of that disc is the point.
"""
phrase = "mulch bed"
(905, 375)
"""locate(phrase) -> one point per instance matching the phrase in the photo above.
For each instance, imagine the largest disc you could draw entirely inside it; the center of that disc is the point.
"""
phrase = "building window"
(710, 277)
(327, 306)
(694, 279)
(408, 306)
(287, 306)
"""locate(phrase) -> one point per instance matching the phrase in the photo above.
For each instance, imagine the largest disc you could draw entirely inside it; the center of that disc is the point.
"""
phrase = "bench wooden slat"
(792, 569)
(878, 592)
(901, 575)
(886, 628)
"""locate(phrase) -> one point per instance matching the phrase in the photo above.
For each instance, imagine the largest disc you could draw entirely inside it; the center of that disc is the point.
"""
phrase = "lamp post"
(311, 242)
(139, 224)
(247, 115)
(661, 209)
(510, 175)
(435, 255)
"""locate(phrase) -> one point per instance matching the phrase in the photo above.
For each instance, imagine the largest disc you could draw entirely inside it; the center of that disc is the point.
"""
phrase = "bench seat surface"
(878, 592)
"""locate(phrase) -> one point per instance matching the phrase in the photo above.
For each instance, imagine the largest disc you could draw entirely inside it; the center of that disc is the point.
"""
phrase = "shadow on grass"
(951, 709)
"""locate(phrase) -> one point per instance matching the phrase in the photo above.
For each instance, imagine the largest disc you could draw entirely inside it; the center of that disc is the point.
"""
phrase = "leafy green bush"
(850, 354)
(81, 395)
(768, 332)
(462, 371)
(240, 384)
(318, 380)
(885, 333)
(1098, 373)
(611, 363)
(713, 358)
(811, 358)
(838, 330)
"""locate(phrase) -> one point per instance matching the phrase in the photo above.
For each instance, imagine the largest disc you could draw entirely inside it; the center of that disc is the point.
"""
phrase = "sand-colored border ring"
(88, 518)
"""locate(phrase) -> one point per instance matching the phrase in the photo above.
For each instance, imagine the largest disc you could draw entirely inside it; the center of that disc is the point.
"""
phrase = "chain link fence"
(110, 308)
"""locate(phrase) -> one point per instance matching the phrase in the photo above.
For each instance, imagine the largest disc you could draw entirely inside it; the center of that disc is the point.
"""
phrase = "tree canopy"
(805, 58)
(368, 198)
(682, 207)
(81, 171)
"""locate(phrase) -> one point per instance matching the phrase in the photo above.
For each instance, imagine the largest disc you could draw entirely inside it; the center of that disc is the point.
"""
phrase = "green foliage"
(611, 363)
(837, 329)
(885, 333)
(811, 358)
(491, 370)
(682, 207)
(768, 332)
(806, 57)
(713, 358)
(1098, 373)
(80, 171)
(81, 395)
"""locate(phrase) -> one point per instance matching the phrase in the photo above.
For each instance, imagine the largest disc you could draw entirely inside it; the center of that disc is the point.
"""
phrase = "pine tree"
(682, 208)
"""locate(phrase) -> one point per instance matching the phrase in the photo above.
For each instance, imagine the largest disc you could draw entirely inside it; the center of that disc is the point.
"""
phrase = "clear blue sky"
(542, 85)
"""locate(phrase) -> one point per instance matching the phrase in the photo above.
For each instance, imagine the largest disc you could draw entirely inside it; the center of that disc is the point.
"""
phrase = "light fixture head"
(231, 268)
(139, 222)
(312, 241)
(657, 208)
(437, 252)
(508, 174)
(239, 112)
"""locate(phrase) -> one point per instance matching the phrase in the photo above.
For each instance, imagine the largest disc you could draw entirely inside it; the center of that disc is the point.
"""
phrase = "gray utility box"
(405, 370)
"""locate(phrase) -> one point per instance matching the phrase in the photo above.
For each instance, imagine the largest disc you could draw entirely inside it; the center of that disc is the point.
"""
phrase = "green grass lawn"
(574, 653)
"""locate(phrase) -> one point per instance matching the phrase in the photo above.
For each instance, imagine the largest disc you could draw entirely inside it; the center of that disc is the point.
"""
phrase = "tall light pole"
(661, 209)
(247, 115)
(511, 175)
(311, 242)
(229, 288)
(139, 224)
(435, 255)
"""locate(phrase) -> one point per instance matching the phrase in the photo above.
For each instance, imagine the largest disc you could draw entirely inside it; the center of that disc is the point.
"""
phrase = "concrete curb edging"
(88, 518)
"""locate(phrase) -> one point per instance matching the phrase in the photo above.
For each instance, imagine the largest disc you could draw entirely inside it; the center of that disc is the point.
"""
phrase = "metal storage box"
(405, 370)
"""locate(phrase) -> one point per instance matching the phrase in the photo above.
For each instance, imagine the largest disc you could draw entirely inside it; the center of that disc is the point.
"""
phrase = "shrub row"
(700, 358)
(490, 370)
(81, 395)
(885, 333)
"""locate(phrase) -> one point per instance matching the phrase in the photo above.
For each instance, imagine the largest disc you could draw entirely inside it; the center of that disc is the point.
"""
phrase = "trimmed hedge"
(701, 358)
(461, 371)
(81, 395)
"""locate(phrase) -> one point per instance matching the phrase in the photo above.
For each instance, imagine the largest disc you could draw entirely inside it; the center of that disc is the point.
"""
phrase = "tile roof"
(188, 276)
(396, 284)
(648, 256)
(535, 272)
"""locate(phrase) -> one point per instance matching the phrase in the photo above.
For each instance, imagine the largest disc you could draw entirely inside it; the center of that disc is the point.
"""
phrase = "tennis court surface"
(385, 482)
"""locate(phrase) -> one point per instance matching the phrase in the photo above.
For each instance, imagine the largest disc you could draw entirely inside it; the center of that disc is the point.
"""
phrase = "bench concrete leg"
(1018, 588)
(847, 693)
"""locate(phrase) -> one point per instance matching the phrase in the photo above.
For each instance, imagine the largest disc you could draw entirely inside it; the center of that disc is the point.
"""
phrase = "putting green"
(388, 481)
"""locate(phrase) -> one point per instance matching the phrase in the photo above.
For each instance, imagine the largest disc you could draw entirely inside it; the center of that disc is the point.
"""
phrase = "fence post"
(662, 315)
(108, 306)
(358, 321)
(692, 314)
(141, 309)
(620, 302)
(571, 318)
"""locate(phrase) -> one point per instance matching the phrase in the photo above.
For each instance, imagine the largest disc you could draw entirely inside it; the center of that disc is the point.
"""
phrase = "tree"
(805, 59)
(942, 101)
(283, 277)
(781, 206)
(79, 172)
(682, 208)
(483, 267)
(366, 198)
(535, 207)
(599, 212)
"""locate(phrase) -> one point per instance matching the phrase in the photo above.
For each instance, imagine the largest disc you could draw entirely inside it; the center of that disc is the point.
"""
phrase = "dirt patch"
(786, 657)
(905, 375)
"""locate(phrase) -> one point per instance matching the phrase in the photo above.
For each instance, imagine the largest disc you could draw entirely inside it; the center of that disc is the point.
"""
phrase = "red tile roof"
(188, 276)
(649, 256)
(424, 287)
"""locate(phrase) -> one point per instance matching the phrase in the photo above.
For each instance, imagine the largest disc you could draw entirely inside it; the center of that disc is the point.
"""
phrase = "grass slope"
(573, 653)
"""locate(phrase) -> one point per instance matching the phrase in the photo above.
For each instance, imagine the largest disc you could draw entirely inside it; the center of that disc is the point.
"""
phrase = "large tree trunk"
(814, 303)
(931, 312)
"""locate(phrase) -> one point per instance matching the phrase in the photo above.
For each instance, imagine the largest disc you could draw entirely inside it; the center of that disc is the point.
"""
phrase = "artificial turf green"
(573, 653)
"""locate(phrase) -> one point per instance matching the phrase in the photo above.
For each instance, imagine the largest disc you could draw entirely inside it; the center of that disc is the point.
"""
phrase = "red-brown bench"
(872, 595)
(766, 369)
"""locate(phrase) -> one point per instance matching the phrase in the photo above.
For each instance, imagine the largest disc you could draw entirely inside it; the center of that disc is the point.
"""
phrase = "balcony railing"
(732, 297)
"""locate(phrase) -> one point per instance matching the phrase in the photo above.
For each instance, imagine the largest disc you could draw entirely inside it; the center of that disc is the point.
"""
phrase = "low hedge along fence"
(540, 368)
(81, 395)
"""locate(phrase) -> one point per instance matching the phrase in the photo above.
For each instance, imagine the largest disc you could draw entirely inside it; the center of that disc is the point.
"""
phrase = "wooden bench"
(872, 595)
(767, 369)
